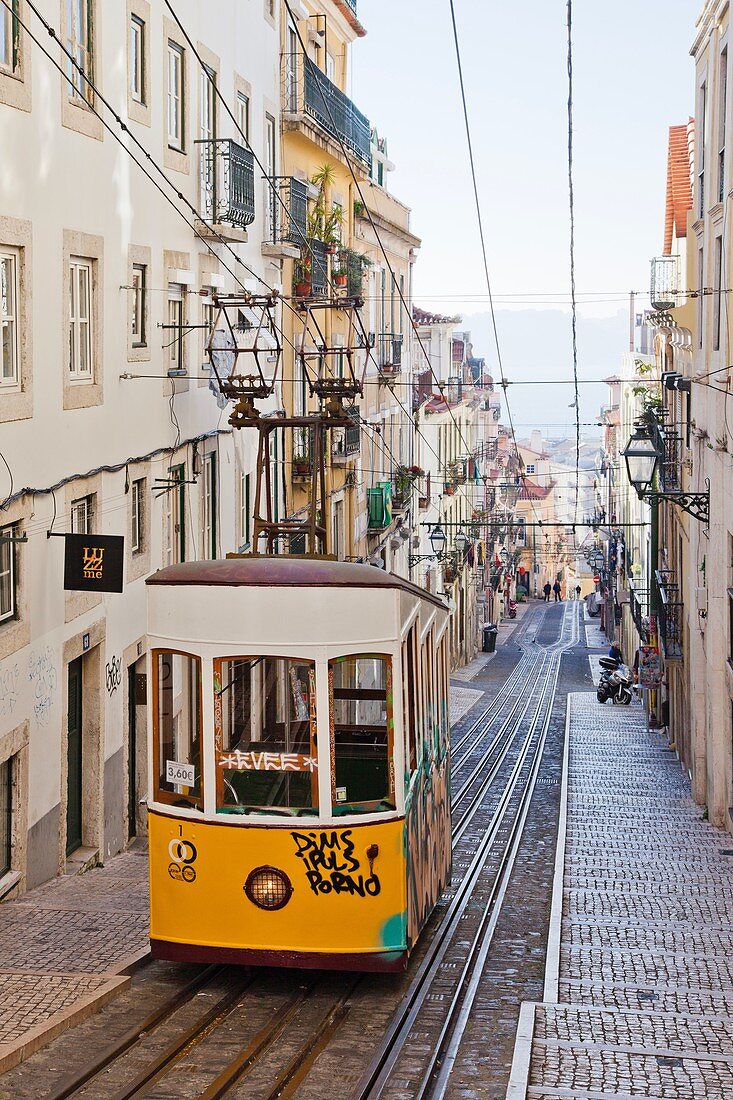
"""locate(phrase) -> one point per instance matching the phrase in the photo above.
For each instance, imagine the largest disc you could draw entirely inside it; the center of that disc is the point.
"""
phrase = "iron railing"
(227, 183)
(668, 444)
(665, 282)
(286, 206)
(319, 267)
(639, 607)
(308, 89)
(389, 352)
(352, 5)
(670, 614)
(346, 442)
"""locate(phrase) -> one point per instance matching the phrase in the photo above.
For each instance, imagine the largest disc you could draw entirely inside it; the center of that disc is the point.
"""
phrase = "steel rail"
(382, 1064)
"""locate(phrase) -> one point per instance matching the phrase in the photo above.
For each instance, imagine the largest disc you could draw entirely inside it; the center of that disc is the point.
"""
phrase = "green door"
(74, 759)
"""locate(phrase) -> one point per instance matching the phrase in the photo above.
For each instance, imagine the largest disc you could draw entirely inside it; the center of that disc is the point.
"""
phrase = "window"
(137, 59)
(80, 320)
(139, 305)
(208, 533)
(79, 45)
(176, 135)
(330, 66)
(245, 511)
(8, 582)
(177, 717)
(243, 114)
(9, 372)
(530, 467)
(175, 519)
(700, 144)
(722, 105)
(9, 28)
(82, 515)
(175, 327)
(291, 70)
(137, 507)
(717, 276)
(264, 720)
(208, 320)
(410, 700)
(700, 295)
(6, 816)
(208, 104)
(360, 694)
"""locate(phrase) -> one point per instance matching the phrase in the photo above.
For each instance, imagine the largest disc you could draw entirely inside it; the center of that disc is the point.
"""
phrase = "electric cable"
(571, 203)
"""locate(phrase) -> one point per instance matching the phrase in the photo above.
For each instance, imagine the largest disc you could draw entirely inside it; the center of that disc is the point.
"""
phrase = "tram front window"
(177, 678)
(264, 716)
(360, 691)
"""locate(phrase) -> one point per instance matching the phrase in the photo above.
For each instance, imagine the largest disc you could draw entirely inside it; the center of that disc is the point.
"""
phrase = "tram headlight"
(268, 888)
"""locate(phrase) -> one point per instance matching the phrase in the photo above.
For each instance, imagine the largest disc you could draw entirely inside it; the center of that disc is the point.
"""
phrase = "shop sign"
(93, 563)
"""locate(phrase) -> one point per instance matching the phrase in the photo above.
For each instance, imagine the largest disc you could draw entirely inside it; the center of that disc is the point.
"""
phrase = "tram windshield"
(265, 728)
(360, 691)
(177, 680)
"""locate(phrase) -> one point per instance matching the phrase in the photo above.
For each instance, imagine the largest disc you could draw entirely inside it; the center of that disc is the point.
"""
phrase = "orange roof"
(679, 189)
(532, 491)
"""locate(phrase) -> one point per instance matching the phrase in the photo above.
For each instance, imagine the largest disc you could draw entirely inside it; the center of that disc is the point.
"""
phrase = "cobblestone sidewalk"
(639, 990)
(64, 948)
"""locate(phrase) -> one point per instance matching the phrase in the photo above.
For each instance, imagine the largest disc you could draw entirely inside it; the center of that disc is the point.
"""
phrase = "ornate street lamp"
(642, 457)
(461, 542)
(504, 556)
(437, 540)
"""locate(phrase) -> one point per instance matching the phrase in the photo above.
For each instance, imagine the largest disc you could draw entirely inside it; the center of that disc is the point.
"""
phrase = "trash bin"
(490, 632)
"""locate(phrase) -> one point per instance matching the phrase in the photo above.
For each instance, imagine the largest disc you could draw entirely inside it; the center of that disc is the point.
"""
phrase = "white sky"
(633, 78)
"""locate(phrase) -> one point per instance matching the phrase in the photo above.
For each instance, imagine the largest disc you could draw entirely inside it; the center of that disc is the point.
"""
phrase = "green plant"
(358, 208)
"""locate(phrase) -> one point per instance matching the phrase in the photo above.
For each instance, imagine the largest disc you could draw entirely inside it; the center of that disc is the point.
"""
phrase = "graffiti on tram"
(332, 865)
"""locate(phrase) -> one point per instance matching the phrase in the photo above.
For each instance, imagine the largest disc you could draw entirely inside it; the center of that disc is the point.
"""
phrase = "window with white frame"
(208, 319)
(208, 530)
(137, 58)
(8, 581)
(81, 367)
(82, 515)
(137, 505)
(9, 27)
(174, 550)
(9, 368)
(79, 44)
(530, 468)
(245, 509)
(175, 326)
(243, 114)
(176, 134)
(139, 305)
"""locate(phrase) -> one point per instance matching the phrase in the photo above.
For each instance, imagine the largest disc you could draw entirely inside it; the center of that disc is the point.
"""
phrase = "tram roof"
(285, 572)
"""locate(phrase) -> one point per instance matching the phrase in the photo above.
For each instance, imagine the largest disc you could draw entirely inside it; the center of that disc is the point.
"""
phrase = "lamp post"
(437, 540)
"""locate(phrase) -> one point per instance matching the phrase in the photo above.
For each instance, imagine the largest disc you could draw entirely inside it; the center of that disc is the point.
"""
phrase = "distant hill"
(537, 344)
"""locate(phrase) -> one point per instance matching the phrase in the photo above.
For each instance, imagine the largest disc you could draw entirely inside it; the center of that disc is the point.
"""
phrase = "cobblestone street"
(639, 989)
(64, 948)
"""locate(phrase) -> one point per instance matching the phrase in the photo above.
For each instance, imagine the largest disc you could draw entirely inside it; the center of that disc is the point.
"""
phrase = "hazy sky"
(633, 78)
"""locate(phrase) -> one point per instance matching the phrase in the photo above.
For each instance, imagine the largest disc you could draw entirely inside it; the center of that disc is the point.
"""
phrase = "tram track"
(254, 1062)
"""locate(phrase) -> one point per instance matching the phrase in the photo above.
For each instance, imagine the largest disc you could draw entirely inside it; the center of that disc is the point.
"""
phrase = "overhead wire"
(571, 203)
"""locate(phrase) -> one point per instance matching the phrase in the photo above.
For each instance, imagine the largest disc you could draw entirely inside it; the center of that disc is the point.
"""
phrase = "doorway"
(136, 815)
(74, 758)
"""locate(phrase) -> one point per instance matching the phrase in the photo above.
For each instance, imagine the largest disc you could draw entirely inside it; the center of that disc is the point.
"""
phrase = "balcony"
(389, 354)
(669, 446)
(309, 92)
(227, 189)
(286, 213)
(302, 454)
(346, 442)
(670, 615)
(665, 283)
(639, 607)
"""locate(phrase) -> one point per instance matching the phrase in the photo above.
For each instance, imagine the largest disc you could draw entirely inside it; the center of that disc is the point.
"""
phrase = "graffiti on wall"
(113, 675)
(44, 683)
(9, 688)
(332, 866)
(428, 839)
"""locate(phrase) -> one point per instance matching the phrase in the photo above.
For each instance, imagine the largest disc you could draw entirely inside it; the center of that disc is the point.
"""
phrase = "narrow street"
(631, 997)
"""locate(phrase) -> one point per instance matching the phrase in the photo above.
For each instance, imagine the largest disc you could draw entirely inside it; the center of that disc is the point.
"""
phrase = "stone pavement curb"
(554, 934)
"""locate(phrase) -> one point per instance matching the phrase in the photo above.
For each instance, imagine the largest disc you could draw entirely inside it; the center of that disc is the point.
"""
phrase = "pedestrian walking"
(547, 590)
(556, 589)
(577, 591)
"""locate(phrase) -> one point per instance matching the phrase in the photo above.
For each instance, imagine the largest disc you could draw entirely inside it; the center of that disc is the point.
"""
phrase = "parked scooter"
(615, 683)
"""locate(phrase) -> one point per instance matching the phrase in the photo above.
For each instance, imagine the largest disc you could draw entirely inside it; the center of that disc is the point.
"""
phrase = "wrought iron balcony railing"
(309, 90)
(665, 282)
(227, 183)
(670, 615)
(346, 442)
(668, 444)
(389, 352)
(639, 607)
(319, 267)
(286, 207)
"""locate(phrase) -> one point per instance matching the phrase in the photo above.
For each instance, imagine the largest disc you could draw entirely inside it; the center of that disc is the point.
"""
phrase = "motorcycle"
(615, 683)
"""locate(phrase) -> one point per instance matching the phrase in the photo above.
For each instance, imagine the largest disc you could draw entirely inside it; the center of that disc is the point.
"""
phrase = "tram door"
(74, 758)
(136, 748)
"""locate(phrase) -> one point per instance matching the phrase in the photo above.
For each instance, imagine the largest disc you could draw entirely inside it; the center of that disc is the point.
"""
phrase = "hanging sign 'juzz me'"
(93, 563)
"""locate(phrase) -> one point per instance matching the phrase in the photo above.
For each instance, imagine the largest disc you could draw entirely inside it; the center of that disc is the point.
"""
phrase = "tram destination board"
(93, 563)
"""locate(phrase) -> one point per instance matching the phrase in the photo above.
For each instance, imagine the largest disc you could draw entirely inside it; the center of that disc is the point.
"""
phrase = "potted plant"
(301, 465)
(302, 277)
(340, 272)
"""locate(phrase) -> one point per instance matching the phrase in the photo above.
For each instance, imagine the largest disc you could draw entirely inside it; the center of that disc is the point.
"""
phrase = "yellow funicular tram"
(299, 809)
